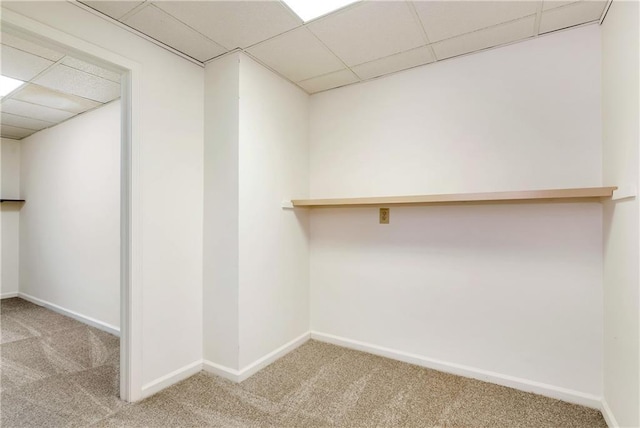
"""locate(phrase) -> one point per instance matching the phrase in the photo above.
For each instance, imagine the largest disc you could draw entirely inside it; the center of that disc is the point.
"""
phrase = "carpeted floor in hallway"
(57, 372)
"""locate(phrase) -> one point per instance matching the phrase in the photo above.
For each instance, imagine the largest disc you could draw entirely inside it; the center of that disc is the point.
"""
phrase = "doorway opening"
(77, 255)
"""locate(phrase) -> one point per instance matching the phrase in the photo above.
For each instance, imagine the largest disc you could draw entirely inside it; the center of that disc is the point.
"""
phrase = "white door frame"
(130, 193)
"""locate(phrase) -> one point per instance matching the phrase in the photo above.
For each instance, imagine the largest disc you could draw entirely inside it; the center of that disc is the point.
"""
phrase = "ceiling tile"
(115, 9)
(297, 55)
(393, 63)
(9, 119)
(328, 81)
(40, 95)
(92, 69)
(77, 82)
(370, 31)
(573, 14)
(21, 65)
(234, 24)
(15, 132)
(482, 39)
(22, 108)
(445, 19)
(551, 4)
(32, 48)
(167, 29)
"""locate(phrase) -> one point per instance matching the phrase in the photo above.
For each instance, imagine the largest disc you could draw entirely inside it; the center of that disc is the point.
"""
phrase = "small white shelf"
(582, 194)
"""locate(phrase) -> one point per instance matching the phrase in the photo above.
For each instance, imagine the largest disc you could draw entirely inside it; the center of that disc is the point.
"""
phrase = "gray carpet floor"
(57, 372)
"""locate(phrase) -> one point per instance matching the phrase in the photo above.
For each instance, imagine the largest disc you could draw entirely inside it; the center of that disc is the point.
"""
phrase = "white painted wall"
(9, 216)
(221, 208)
(274, 255)
(171, 133)
(70, 224)
(512, 289)
(621, 123)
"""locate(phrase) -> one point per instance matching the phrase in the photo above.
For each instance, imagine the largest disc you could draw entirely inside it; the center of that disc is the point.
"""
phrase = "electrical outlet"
(384, 215)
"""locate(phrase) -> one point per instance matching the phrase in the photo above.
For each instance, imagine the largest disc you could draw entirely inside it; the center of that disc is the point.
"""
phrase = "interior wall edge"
(526, 385)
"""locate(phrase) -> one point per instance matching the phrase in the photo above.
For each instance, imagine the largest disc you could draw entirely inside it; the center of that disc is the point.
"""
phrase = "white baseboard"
(263, 362)
(526, 385)
(220, 370)
(240, 375)
(608, 415)
(171, 379)
(71, 314)
(8, 295)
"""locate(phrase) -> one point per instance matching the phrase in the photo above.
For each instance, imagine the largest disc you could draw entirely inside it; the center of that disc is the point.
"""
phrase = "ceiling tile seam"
(565, 6)
(522, 18)
(428, 44)
(29, 129)
(67, 119)
(396, 54)
(273, 37)
(266, 66)
(150, 4)
(37, 105)
(135, 32)
(27, 52)
(26, 82)
(27, 117)
(306, 24)
(536, 25)
(327, 74)
(164, 45)
(332, 53)
(88, 72)
(134, 11)
(59, 63)
(20, 127)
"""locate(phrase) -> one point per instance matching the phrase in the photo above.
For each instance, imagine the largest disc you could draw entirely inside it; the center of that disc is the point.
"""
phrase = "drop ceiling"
(367, 39)
(58, 87)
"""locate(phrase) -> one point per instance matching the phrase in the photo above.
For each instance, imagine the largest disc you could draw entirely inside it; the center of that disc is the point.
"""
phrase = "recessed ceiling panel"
(77, 82)
(328, 81)
(489, 37)
(40, 95)
(297, 55)
(445, 19)
(574, 14)
(21, 65)
(15, 132)
(167, 29)
(115, 9)
(369, 31)
(393, 63)
(32, 48)
(9, 119)
(35, 111)
(233, 24)
(91, 69)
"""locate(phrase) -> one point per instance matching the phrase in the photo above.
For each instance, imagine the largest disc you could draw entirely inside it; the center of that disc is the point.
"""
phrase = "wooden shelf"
(12, 200)
(586, 194)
